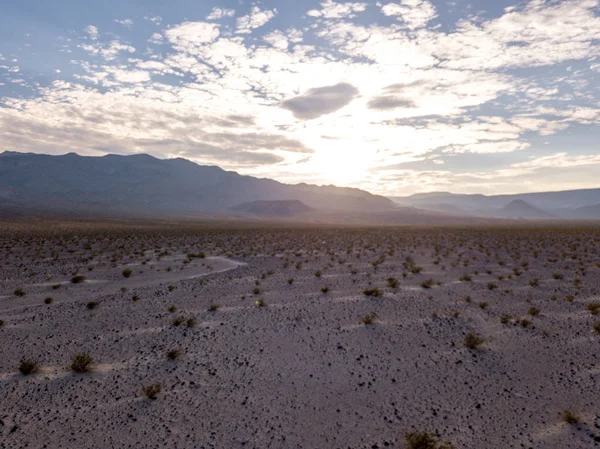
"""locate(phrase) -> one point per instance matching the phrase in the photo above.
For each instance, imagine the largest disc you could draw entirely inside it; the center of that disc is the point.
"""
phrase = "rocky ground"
(300, 338)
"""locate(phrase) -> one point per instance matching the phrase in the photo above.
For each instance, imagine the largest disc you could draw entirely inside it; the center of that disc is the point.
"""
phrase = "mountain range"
(147, 185)
(142, 185)
(571, 204)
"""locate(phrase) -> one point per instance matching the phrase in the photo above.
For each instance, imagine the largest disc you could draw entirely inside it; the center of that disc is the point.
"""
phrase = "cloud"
(332, 10)
(219, 13)
(363, 93)
(255, 19)
(190, 35)
(127, 23)
(92, 31)
(320, 101)
(414, 13)
(390, 102)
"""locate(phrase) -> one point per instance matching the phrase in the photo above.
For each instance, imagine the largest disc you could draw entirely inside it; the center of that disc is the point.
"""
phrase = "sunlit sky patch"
(395, 97)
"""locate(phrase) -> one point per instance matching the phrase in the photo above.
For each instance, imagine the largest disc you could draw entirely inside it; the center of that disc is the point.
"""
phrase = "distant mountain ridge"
(143, 184)
(280, 208)
(584, 203)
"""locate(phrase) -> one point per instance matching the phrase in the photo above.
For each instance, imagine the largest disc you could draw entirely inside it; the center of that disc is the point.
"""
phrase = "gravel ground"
(304, 370)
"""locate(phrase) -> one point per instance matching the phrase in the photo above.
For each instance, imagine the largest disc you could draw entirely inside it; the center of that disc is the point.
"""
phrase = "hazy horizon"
(394, 97)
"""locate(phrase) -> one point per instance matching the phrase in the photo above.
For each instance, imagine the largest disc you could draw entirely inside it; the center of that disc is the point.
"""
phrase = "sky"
(395, 97)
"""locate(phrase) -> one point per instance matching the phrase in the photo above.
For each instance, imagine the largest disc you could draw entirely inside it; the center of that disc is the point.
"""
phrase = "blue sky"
(396, 97)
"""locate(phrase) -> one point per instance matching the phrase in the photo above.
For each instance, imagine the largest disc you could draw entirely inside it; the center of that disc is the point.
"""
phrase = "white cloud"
(332, 10)
(385, 95)
(127, 23)
(92, 31)
(219, 13)
(414, 13)
(190, 35)
(255, 19)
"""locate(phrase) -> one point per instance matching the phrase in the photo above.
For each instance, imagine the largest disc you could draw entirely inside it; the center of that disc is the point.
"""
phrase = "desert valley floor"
(299, 338)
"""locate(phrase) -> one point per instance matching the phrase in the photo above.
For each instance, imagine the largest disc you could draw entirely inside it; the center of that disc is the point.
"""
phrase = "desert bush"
(483, 305)
(534, 311)
(570, 417)
(150, 391)
(92, 305)
(290, 281)
(77, 279)
(505, 318)
(428, 283)
(172, 309)
(525, 322)
(558, 276)
(318, 274)
(127, 273)
(534, 282)
(594, 308)
(375, 292)
(368, 319)
(199, 255)
(491, 286)
(392, 282)
(48, 300)
(596, 326)
(81, 363)
(473, 341)
(213, 307)
(455, 314)
(190, 322)
(20, 292)
(174, 354)
(325, 290)
(29, 366)
(425, 440)
(178, 321)
(1, 323)
(256, 291)
(465, 278)
(260, 303)
(135, 298)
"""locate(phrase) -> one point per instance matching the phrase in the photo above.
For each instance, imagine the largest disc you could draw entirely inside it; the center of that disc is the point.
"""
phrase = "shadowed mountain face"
(283, 208)
(566, 204)
(146, 185)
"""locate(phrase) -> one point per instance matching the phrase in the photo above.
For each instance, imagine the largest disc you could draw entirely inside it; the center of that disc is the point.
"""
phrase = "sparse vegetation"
(174, 354)
(178, 321)
(375, 292)
(77, 279)
(20, 292)
(151, 391)
(425, 440)
(29, 366)
(428, 283)
(473, 341)
(48, 300)
(570, 417)
(81, 363)
(92, 305)
(127, 273)
(260, 303)
(368, 319)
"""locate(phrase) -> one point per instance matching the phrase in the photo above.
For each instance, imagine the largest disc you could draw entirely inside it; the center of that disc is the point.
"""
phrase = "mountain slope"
(282, 208)
(522, 209)
(144, 184)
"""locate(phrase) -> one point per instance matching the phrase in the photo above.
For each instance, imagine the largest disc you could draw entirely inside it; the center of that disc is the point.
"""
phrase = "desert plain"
(209, 336)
